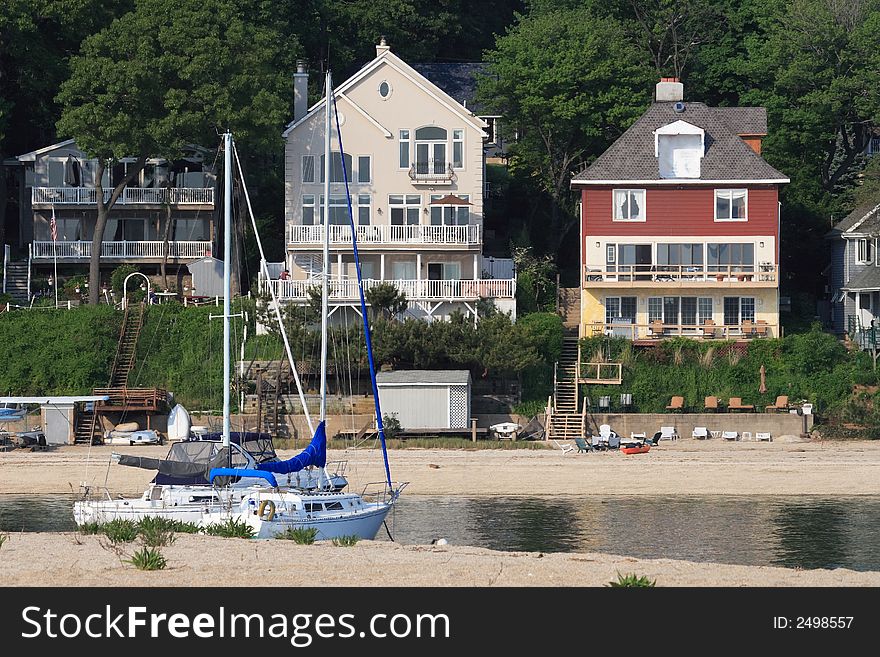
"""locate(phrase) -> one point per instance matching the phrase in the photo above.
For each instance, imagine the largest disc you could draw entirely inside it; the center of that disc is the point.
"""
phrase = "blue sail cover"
(314, 454)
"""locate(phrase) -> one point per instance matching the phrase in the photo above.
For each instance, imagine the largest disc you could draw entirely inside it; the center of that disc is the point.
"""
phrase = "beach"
(683, 467)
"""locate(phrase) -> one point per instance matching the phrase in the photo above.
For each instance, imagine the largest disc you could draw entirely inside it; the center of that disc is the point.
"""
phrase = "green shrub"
(156, 532)
(230, 528)
(632, 580)
(299, 535)
(346, 541)
(120, 531)
(148, 559)
(91, 528)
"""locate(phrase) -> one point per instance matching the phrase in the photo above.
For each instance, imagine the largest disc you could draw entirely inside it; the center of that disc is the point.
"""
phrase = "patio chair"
(761, 329)
(735, 404)
(655, 439)
(710, 404)
(565, 448)
(781, 404)
(668, 433)
(747, 328)
(763, 435)
(582, 445)
(614, 441)
(730, 435)
(676, 404)
(657, 328)
(709, 329)
(701, 433)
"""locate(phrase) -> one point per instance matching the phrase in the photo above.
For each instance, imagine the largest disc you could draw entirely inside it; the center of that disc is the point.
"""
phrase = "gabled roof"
(32, 156)
(727, 157)
(388, 58)
(423, 377)
(865, 219)
(744, 120)
(458, 80)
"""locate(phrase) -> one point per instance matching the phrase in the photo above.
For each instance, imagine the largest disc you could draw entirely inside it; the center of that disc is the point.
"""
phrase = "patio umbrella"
(763, 387)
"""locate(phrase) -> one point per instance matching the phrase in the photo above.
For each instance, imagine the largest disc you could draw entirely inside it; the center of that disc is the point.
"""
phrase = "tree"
(166, 75)
(535, 279)
(572, 83)
(386, 299)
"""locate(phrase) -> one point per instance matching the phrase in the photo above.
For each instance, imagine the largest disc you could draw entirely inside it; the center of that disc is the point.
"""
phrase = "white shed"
(426, 399)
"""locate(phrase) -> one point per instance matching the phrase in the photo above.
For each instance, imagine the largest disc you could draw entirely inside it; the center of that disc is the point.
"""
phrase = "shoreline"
(680, 468)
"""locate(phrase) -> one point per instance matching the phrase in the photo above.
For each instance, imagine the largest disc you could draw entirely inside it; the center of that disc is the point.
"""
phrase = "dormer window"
(731, 204)
(679, 147)
(629, 205)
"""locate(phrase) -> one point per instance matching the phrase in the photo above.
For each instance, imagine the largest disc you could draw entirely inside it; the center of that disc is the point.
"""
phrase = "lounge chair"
(676, 404)
(710, 404)
(735, 404)
(565, 448)
(730, 435)
(763, 435)
(701, 433)
(655, 439)
(668, 433)
(780, 405)
(582, 445)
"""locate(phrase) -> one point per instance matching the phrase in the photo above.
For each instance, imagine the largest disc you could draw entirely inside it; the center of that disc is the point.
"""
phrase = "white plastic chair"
(730, 435)
(565, 448)
(668, 433)
(701, 433)
(763, 435)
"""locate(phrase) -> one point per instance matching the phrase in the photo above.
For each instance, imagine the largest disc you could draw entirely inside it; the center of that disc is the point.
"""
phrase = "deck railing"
(656, 331)
(470, 235)
(47, 250)
(347, 289)
(129, 196)
(682, 275)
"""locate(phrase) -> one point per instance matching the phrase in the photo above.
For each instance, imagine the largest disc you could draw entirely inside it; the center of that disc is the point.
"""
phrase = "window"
(404, 210)
(629, 205)
(731, 205)
(609, 254)
(431, 150)
(655, 309)
(635, 258)
(444, 271)
(620, 308)
(403, 270)
(385, 89)
(680, 254)
(337, 175)
(364, 169)
(364, 209)
(458, 149)
(864, 251)
(737, 257)
(127, 230)
(308, 168)
(704, 308)
(450, 215)
(338, 210)
(308, 210)
(738, 310)
(186, 230)
(404, 149)
(689, 312)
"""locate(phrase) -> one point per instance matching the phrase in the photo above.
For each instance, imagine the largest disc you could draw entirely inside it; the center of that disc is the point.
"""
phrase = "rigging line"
(357, 264)
(275, 302)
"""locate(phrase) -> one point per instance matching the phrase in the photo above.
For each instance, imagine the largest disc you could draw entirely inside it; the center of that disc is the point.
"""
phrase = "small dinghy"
(635, 448)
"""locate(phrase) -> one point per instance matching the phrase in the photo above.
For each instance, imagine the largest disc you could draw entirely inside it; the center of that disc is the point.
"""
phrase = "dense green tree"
(572, 83)
(166, 75)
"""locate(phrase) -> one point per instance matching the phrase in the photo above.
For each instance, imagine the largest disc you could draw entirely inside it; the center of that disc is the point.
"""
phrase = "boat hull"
(642, 449)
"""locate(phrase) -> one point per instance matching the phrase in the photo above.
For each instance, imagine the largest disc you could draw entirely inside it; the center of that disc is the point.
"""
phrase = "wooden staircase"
(17, 281)
(84, 431)
(271, 379)
(565, 420)
(132, 323)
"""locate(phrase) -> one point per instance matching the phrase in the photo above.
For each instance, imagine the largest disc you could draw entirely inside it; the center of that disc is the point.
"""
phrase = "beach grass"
(299, 535)
(346, 541)
(120, 531)
(632, 580)
(148, 558)
(231, 528)
(3, 539)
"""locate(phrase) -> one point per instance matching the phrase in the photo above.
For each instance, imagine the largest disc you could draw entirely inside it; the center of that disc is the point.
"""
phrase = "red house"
(680, 225)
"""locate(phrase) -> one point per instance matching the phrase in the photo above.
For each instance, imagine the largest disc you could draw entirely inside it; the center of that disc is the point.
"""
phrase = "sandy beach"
(684, 467)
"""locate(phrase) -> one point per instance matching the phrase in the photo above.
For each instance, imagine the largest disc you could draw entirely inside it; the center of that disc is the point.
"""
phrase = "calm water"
(805, 532)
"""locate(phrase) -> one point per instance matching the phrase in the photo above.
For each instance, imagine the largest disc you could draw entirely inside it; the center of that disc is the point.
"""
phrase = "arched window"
(336, 175)
(431, 150)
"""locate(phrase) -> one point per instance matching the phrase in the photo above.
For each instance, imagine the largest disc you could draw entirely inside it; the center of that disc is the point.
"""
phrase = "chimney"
(669, 90)
(300, 90)
(382, 48)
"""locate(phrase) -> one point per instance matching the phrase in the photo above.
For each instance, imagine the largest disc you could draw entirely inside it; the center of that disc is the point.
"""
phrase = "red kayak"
(635, 449)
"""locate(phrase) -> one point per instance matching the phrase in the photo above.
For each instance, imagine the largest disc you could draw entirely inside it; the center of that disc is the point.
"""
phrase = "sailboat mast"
(325, 271)
(227, 279)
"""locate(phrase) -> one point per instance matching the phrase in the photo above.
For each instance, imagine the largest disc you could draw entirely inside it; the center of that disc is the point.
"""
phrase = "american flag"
(53, 226)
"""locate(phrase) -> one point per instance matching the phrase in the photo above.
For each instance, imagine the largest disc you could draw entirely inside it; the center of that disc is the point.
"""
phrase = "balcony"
(385, 235)
(657, 330)
(82, 250)
(415, 290)
(433, 172)
(200, 196)
(708, 276)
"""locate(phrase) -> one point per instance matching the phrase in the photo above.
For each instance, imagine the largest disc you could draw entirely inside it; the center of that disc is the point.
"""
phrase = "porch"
(650, 333)
(191, 196)
(124, 250)
(630, 276)
(346, 289)
(385, 235)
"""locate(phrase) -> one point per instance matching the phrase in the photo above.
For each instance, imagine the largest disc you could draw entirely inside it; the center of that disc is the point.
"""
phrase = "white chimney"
(669, 90)
(300, 91)
(382, 48)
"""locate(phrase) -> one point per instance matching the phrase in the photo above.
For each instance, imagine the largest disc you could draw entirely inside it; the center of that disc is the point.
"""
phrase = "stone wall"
(778, 424)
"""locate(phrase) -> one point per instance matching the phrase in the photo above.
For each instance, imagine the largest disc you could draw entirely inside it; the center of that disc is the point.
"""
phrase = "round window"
(385, 89)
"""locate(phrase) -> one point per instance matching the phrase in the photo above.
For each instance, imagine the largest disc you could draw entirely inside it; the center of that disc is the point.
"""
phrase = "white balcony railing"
(120, 250)
(129, 196)
(415, 290)
(469, 235)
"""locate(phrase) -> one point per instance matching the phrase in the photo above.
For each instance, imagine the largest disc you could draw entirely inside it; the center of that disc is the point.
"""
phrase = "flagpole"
(55, 252)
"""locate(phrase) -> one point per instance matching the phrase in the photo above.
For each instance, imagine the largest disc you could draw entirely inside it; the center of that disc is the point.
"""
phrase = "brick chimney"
(669, 90)
(382, 48)
(300, 90)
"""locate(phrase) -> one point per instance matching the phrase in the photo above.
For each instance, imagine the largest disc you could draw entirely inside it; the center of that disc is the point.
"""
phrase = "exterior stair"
(84, 432)
(566, 420)
(132, 322)
(17, 281)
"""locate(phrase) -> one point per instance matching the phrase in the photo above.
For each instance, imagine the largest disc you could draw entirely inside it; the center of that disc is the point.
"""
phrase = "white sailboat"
(311, 498)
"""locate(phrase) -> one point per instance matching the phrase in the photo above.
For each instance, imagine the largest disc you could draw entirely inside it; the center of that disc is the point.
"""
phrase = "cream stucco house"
(415, 162)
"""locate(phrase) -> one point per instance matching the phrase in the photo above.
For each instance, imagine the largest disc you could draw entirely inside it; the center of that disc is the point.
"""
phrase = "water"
(797, 531)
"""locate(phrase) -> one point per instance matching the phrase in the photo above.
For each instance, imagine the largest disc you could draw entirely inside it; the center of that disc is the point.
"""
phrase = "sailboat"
(245, 489)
